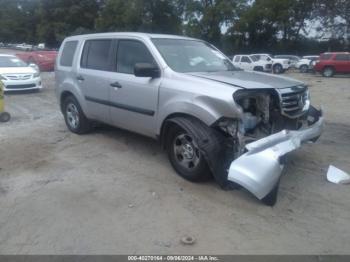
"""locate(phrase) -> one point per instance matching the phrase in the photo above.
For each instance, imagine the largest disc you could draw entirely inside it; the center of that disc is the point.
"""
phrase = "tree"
(157, 16)
(206, 18)
(60, 18)
(334, 18)
(268, 22)
(18, 20)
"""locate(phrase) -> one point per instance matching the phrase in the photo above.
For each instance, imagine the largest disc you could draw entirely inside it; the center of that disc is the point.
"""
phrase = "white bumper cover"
(259, 169)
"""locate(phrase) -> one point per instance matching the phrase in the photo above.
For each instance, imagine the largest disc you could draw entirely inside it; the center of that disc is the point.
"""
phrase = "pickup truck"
(252, 63)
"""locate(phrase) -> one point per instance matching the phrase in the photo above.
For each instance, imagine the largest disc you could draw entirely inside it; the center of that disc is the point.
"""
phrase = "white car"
(306, 63)
(16, 75)
(252, 63)
(279, 65)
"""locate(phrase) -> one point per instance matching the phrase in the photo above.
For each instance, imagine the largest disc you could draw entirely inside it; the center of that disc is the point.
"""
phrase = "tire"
(4, 117)
(185, 155)
(74, 116)
(328, 71)
(277, 69)
(304, 69)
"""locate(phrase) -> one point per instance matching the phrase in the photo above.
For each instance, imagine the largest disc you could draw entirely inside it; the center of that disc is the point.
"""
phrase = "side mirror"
(146, 70)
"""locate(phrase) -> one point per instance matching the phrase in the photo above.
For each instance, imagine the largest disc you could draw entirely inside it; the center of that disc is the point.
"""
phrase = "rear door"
(94, 76)
(133, 100)
(342, 63)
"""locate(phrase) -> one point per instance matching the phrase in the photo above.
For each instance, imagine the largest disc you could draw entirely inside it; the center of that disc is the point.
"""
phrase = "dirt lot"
(113, 192)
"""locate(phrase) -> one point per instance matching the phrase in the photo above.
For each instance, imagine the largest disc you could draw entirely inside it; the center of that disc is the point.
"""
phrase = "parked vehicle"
(333, 63)
(45, 60)
(17, 75)
(279, 65)
(24, 47)
(211, 117)
(248, 62)
(306, 63)
(292, 58)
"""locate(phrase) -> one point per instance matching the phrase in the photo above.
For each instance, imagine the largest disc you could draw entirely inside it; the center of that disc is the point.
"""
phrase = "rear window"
(68, 53)
(342, 57)
(96, 54)
(325, 56)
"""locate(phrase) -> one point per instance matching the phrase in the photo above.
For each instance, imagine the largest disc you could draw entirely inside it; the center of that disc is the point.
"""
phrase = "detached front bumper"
(259, 169)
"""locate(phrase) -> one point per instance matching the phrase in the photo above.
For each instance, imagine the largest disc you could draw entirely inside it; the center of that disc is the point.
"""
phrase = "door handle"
(116, 85)
(80, 78)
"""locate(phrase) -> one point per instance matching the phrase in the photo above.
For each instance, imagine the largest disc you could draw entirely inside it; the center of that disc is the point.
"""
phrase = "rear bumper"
(260, 168)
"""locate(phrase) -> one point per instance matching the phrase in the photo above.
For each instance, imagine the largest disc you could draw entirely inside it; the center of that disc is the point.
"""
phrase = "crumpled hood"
(249, 80)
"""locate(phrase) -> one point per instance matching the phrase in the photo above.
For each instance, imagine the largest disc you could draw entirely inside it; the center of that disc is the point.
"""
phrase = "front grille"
(20, 86)
(19, 77)
(294, 101)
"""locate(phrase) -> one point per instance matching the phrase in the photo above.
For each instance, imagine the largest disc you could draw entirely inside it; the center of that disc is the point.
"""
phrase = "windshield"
(11, 61)
(192, 56)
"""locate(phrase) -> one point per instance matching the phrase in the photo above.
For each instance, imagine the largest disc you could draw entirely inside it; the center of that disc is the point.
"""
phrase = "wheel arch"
(169, 121)
(69, 89)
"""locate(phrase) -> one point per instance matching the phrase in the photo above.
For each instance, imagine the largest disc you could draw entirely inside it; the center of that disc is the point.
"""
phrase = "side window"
(342, 57)
(68, 53)
(96, 54)
(131, 52)
(237, 59)
(325, 56)
(245, 59)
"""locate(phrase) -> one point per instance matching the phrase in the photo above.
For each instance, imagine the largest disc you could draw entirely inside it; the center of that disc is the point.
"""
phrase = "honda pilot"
(212, 118)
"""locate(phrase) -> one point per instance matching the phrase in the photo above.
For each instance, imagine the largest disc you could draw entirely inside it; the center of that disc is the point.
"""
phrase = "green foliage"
(234, 25)
(157, 16)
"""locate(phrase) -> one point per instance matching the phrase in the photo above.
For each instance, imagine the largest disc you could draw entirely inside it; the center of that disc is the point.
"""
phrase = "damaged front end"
(272, 124)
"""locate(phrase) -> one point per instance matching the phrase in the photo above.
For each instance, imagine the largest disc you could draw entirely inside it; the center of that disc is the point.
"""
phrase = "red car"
(333, 63)
(45, 60)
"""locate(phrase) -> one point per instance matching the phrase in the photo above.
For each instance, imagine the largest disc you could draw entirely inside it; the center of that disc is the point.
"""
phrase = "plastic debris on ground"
(337, 176)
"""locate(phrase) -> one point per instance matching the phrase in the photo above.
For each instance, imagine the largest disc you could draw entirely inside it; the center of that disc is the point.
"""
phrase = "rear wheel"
(74, 116)
(328, 71)
(185, 155)
(278, 69)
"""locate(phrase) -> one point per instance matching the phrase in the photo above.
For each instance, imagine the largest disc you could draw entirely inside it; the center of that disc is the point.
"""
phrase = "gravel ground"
(114, 192)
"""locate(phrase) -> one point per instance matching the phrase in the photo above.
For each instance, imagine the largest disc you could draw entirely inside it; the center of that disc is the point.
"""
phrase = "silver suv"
(212, 118)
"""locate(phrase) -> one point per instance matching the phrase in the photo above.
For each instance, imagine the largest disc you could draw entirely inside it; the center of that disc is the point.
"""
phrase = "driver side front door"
(133, 100)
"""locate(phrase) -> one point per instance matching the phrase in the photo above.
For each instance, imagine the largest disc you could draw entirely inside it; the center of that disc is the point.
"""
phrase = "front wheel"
(185, 156)
(74, 116)
(304, 68)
